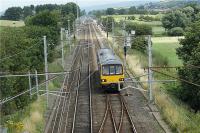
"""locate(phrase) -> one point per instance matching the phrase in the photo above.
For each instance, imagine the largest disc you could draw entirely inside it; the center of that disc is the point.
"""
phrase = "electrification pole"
(46, 68)
(69, 32)
(29, 79)
(107, 26)
(149, 69)
(77, 11)
(62, 45)
(125, 48)
(36, 82)
(113, 41)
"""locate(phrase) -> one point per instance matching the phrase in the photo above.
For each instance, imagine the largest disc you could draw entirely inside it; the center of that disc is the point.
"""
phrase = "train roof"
(106, 56)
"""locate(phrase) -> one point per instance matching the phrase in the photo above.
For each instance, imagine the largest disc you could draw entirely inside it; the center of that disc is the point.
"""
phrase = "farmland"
(8, 23)
(166, 46)
(157, 28)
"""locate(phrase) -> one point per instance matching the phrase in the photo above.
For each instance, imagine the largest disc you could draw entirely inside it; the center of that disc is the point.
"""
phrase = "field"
(8, 23)
(166, 46)
(157, 28)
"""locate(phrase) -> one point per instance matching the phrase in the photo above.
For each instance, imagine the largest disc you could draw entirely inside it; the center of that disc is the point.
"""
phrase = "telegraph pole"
(150, 77)
(46, 68)
(61, 40)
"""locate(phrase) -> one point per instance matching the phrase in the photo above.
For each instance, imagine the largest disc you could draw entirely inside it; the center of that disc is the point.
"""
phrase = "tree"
(27, 11)
(139, 43)
(176, 31)
(110, 11)
(107, 23)
(175, 19)
(132, 10)
(189, 52)
(131, 17)
(97, 13)
(13, 13)
(121, 11)
(71, 19)
(70, 7)
(49, 7)
(44, 18)
(13, 40)
(83, 12)
(140, 29)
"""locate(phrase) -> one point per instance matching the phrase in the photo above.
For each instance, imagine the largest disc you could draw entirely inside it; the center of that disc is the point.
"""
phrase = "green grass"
(167, 46)
(173, 111)
(158, 30)
(8, 23)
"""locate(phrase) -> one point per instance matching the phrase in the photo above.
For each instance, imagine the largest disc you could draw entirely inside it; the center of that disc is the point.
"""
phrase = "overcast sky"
(4, 4)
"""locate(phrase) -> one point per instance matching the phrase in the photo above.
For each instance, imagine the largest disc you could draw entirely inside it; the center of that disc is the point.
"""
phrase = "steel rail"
(64, 104)
(105, 117)
(76, 98)
(61, 90)
(122, 116)
(90, 90)
(128, 114)
(58, 107)
(112, 115)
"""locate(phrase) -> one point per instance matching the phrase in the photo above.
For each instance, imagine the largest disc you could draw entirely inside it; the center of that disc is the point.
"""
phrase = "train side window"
(112, 70)
(105, 70)
(118, 69)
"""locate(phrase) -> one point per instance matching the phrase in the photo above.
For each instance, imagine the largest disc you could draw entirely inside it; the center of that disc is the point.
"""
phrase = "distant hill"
(166, 4)
(119, 4)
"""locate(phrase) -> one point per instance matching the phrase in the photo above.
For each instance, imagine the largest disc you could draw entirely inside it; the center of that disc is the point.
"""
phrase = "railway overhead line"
(86, 108)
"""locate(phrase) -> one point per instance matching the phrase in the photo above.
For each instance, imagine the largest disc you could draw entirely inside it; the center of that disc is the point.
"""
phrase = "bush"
(139, 43)
(131, 17)
(159, 60)
(177, 31)
(146, 18)
(141, 29)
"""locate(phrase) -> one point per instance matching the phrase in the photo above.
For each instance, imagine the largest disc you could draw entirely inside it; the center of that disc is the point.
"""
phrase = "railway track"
(114, 121)
(84, 107)
(59, 119)
(121, 121)
(81, 120)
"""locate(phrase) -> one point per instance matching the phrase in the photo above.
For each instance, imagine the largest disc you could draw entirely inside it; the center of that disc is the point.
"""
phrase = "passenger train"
(110, 68)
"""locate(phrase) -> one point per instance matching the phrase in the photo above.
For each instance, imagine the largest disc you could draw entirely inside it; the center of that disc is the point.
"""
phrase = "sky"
(4, 4)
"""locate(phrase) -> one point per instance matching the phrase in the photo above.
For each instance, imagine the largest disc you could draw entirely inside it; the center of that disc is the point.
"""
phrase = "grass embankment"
(9, 23)
(176, 113)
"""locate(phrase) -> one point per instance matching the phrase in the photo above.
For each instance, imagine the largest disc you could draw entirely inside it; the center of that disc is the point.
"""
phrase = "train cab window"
(105, 70)
(112, 70)
(118, 69)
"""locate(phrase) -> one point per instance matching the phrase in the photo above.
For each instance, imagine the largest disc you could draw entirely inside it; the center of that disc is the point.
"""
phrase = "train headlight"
(121, 79)
(103, 80)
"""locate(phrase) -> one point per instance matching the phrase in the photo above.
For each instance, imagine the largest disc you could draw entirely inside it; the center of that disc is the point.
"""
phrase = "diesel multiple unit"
(111, 69)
